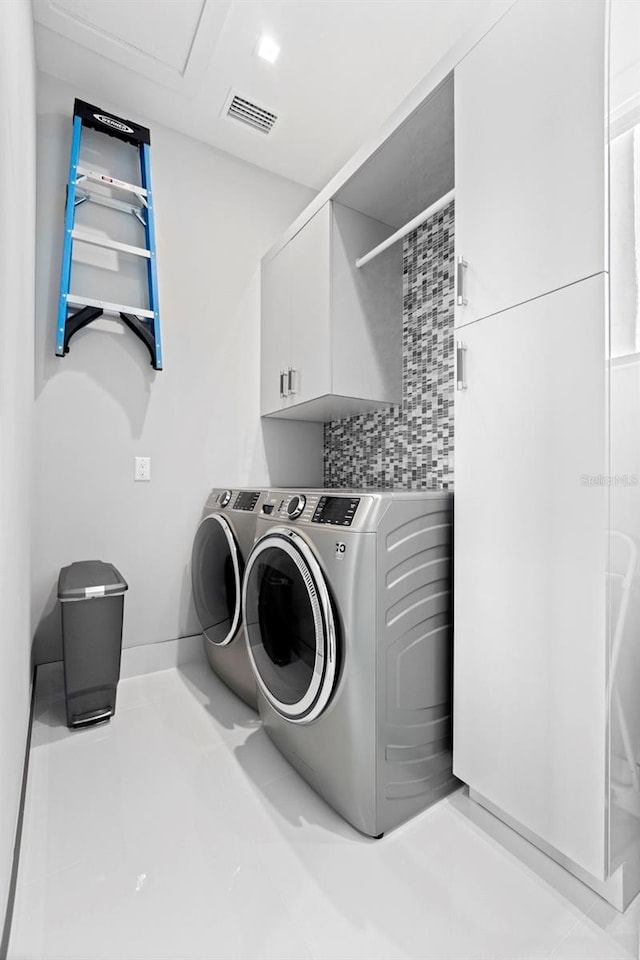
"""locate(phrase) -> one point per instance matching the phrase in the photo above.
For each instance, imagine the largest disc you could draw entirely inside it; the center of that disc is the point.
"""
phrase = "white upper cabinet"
(309, 293)
(331, 333)
(275, 333)
(530, 155)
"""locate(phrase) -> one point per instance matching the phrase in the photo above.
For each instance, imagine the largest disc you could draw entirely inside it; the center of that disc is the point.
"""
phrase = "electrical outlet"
(142, 468)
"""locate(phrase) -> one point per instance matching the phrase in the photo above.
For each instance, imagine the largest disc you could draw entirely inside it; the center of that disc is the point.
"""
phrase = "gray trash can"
(91, 594)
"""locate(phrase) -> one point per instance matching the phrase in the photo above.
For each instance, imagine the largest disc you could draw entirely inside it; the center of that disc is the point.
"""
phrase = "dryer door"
(290, 626)
(216, 575)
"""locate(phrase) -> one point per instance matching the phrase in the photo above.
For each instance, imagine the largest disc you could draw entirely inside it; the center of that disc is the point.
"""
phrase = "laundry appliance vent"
(243, 110)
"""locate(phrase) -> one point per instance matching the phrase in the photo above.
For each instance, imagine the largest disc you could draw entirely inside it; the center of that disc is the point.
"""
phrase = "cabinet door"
(275, 330)
(309, 294)
(530, 558)
(530, 155)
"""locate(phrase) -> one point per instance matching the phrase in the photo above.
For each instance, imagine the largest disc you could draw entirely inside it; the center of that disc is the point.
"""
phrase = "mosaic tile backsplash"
(409, 446)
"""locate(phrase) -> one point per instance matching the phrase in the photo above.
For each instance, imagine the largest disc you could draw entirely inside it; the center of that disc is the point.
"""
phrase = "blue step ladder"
(75, 310)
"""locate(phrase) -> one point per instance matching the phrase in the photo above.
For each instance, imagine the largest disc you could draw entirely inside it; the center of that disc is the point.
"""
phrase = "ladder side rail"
(67, 248)
(150, 236)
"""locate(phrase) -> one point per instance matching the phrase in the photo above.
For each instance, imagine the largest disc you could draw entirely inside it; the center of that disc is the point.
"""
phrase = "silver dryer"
(221, 545)
(347, 606)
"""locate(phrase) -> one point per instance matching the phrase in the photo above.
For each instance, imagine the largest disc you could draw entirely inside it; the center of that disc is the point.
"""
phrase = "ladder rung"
(74, 300)
(108, 181)
(104, 201)
(110, 244)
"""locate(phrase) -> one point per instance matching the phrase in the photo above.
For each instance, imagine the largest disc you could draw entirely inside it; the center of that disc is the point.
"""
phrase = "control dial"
(295, 506)
(224, 497)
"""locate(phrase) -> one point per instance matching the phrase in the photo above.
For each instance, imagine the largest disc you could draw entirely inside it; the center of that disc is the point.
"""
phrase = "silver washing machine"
(347, 607)
(221, 545)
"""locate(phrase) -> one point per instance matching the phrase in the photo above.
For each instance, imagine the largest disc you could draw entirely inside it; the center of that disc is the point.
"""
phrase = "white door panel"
(275, 329)
(310, 293)
(530, 550)
(530, 155)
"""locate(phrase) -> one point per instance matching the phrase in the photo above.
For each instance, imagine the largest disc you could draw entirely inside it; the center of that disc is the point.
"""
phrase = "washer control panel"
(337, 511)
(246, 500)
(296, 506)
(311, 507)
(287, 506)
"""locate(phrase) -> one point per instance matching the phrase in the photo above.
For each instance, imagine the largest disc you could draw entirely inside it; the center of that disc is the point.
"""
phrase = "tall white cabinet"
(530, 615)
(534, 622)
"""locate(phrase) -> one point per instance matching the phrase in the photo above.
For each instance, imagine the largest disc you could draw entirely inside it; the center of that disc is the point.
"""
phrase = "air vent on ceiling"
(243, 110)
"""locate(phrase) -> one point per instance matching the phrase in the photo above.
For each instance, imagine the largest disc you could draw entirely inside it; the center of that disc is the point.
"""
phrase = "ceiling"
(344, 66)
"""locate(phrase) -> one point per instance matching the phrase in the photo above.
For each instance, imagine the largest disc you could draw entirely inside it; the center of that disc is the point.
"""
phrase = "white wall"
(624, 441)
(198, 419)
(624, 406)
(624, 213)
(17, 224)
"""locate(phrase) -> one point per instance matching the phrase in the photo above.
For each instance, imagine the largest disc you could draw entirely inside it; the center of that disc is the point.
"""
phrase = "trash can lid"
(89, 578)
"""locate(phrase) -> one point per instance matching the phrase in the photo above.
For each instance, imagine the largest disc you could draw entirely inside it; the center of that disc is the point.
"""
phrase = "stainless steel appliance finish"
(221, 545)
(347, 607)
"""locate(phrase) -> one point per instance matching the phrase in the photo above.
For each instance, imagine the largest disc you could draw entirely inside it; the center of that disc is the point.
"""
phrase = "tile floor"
(177, 832)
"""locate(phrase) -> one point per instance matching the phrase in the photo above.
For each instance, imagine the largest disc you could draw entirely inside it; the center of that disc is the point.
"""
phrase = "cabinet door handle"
(461, 366)
(283, 378)
(460, 278)
(291, 388)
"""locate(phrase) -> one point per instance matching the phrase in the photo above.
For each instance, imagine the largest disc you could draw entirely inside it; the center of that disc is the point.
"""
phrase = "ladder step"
(84, 173)
(110, 244)
(111, 202)
(73, 299)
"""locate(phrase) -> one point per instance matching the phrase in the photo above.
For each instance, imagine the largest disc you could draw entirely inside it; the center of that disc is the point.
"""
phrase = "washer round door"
(290, 626)
(216, 578)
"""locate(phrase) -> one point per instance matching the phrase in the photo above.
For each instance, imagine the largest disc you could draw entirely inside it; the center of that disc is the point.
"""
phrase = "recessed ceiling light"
(268, 49)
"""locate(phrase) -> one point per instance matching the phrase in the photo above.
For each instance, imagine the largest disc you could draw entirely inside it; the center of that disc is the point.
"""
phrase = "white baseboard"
(151, 657)
(145, 658)
(619, 889)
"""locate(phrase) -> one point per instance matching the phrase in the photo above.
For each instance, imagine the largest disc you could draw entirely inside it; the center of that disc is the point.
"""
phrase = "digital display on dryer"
(246, 500)
(338, 511)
